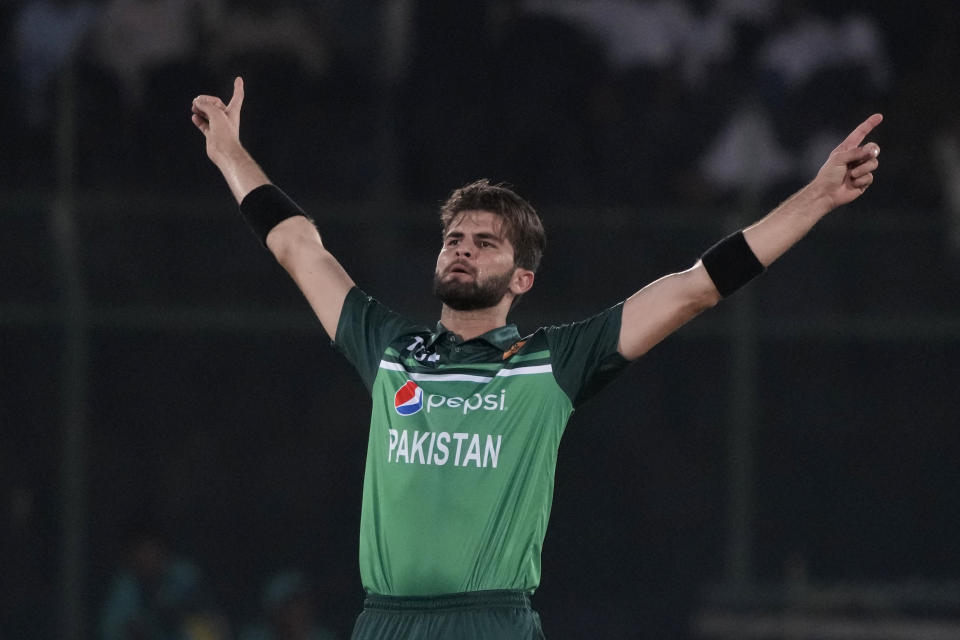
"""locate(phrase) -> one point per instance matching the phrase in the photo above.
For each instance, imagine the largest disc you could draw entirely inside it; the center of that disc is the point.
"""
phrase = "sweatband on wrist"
(731, 263)
(265, 207)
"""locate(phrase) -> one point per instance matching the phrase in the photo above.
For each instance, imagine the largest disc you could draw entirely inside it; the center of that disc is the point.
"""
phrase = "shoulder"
(604, 323)
(363, 311)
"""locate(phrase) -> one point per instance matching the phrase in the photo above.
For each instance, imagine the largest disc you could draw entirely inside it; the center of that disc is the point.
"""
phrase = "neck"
(470, 324)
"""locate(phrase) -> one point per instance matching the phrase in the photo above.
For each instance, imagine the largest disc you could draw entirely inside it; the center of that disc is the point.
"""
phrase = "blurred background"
(182, 451)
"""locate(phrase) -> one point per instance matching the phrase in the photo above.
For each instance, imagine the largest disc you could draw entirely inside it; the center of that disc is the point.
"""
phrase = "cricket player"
(467, 416)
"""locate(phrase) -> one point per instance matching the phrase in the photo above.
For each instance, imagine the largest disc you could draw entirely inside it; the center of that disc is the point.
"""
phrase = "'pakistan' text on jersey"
(463, 444)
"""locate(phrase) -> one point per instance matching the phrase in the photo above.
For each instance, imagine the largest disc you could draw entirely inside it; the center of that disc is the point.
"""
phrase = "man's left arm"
(663, 306)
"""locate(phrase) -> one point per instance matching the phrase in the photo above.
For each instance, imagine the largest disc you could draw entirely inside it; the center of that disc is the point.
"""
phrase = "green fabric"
(469, 616)
(463, 445)
(365, 329)
(584, 354)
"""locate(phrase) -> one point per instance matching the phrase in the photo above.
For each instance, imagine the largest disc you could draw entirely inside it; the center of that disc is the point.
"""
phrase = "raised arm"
(662, 307)
(289, 234)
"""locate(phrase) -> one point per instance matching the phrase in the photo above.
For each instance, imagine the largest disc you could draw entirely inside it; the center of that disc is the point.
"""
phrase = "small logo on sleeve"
(408, 399)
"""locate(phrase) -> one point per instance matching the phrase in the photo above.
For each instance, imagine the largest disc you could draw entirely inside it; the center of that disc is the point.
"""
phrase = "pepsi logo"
(408, 399)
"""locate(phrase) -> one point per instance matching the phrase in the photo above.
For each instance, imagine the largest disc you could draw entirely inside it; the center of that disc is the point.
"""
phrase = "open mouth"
(459, 268)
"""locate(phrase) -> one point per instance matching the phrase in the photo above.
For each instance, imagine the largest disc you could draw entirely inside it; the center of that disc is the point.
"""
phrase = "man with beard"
(467, 417)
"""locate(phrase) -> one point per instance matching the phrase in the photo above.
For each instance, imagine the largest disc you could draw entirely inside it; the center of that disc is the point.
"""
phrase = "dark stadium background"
(786, 461)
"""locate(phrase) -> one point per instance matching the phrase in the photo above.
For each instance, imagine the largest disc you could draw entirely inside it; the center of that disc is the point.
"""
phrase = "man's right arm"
(294, 240)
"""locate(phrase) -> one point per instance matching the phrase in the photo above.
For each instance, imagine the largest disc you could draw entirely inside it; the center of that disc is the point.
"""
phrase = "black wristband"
(267, 206)
(731, 263)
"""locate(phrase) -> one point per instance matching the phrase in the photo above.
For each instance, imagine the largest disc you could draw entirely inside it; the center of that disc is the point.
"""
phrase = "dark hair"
(522, 226)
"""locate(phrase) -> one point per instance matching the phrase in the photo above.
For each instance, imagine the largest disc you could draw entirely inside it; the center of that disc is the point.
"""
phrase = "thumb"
(236, 101)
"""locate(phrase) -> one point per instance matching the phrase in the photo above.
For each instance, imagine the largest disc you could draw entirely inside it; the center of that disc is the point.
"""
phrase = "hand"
(849, 170)
(219, 123)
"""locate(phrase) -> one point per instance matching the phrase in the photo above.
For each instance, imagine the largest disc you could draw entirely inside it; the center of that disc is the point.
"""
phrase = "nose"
(463, 250)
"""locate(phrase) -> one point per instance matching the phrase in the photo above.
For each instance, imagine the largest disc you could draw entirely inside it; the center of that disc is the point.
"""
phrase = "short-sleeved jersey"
(463, 444)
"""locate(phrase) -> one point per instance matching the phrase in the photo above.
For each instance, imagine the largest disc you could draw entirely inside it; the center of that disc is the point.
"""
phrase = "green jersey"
(463, 444)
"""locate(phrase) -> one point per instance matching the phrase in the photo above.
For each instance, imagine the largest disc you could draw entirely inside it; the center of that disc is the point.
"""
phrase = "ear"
(521, 282)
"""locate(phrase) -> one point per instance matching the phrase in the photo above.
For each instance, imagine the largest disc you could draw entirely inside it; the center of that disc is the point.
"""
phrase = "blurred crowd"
(159, 595)
(154, 591)
(646, 102)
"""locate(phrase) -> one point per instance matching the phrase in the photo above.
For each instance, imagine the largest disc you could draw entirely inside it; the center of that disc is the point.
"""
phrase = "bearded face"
(462, 290)
(475, 267)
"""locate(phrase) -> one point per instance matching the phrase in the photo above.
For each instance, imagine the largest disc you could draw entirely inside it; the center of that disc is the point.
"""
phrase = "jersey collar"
(502, 337)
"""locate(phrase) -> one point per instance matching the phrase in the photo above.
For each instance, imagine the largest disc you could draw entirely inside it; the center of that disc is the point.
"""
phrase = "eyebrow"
(482, 235)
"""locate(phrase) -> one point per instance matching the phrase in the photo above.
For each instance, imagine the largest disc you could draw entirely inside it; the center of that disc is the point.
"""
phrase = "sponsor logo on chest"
(409, 399)
(442, 448)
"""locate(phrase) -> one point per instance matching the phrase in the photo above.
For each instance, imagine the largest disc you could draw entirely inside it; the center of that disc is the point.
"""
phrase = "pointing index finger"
(857, 135)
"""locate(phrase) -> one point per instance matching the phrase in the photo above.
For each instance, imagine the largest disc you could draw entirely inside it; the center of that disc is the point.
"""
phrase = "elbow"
(704, 293)
(293, 238)
(709, 299)
(699, 303)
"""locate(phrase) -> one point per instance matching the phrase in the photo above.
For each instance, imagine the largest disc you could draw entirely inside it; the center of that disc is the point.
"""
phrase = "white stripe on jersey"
(526, 371)
(464, 377)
